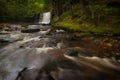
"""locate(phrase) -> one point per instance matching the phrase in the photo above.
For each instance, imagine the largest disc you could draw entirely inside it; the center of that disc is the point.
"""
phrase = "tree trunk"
(84, 8)
(71, 9)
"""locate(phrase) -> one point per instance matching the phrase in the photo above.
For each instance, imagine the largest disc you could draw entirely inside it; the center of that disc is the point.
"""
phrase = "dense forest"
(96, 11)
(20, 10)
(64, 12)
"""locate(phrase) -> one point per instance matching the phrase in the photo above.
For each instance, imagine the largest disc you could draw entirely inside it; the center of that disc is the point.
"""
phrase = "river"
(40, 53)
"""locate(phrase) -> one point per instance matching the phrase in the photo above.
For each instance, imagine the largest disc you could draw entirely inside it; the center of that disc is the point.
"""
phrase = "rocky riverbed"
(39, 52)
(101, 46)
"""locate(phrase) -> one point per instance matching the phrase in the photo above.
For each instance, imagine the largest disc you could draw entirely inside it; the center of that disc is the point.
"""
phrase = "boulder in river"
(76, 51)
(30, 30)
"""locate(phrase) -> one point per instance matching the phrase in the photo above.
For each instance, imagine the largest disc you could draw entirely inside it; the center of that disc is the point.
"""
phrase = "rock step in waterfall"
(45, 18)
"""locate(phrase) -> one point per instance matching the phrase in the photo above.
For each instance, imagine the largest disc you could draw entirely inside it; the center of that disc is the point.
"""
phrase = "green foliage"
(2, 8)
(87, 29)
(96, 12)
(19, 9)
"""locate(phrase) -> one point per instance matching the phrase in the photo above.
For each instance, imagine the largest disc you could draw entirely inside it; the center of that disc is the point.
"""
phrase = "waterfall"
(45, 18)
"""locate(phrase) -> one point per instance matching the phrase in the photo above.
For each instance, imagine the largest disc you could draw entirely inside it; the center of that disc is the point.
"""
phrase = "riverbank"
(101, 46)
(100, 41)
(87, 28)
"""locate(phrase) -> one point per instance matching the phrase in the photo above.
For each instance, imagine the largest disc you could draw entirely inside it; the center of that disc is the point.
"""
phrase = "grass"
(88, 29)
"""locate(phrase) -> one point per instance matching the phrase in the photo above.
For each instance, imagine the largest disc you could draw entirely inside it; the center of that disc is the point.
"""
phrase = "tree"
(20, 10)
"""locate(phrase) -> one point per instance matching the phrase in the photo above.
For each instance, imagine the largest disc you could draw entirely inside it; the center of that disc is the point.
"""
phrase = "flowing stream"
(44, 55)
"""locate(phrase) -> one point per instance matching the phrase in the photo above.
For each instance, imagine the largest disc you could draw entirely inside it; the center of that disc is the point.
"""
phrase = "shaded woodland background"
(93, 12)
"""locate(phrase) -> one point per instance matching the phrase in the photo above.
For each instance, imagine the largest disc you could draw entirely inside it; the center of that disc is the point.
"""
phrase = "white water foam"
(46, 18)
(30, 39)
(94, 62)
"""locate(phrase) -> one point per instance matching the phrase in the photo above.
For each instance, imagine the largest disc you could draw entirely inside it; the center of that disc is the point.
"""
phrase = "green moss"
(88, 29)
(66, 25)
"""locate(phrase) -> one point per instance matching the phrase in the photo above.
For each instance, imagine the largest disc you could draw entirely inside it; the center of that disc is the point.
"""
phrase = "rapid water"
(43, 56)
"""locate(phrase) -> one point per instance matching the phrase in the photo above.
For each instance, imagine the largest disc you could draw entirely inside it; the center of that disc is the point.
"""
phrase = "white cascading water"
(45, 18)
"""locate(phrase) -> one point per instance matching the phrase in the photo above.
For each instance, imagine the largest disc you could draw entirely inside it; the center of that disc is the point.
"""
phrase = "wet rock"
(30, 30)
(73, 37)
(67, 74)
(71, 52)
(28, 74)
(10, 27)
(3, 43)
(52, 31)
(34, 74)
(41, 27)
(117, 57)
(21, 46)
(77, 51)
